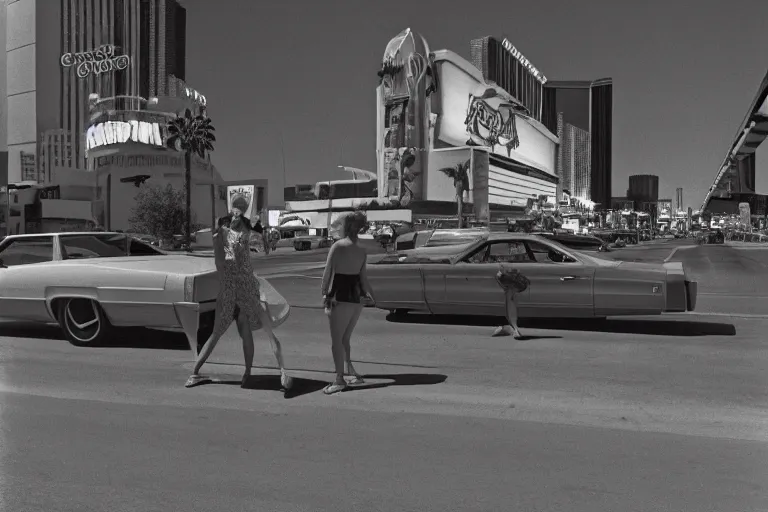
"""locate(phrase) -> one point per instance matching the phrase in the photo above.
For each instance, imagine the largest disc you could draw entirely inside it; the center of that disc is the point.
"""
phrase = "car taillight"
(189, 289)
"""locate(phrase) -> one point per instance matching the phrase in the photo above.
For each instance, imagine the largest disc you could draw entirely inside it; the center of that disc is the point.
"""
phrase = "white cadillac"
(89, 283)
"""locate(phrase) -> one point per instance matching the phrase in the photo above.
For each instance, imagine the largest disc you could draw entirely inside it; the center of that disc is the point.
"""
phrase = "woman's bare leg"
(339, 320)
(512, 311)
(221, 323)
(345, 340)
(244, 328)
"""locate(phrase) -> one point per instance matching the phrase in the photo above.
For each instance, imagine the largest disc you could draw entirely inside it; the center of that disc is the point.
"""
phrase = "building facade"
(91, 87)
(643, 188)
(439, 114)
(588, 106)
(574, 157)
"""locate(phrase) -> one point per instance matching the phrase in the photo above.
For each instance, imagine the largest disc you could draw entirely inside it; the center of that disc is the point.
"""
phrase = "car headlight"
(189, 289)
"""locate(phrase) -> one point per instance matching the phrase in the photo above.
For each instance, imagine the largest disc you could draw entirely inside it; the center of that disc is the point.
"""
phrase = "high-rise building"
(589, 106)
(573, 162)
(679, 193)
(60, 52)
(91, 87)
(643, 188)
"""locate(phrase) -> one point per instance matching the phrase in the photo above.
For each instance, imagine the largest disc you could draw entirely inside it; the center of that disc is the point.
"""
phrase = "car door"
(396, 284)
(561, 286)
(471, 285)
(21, 290)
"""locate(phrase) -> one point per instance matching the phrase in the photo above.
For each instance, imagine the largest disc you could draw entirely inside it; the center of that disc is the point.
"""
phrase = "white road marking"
(674, 251)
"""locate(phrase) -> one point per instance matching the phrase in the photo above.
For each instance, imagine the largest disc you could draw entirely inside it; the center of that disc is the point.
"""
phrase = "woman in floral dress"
(240, 298)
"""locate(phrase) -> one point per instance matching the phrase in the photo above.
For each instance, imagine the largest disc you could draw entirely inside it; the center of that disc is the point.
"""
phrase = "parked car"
(90, 283)
(460, 279)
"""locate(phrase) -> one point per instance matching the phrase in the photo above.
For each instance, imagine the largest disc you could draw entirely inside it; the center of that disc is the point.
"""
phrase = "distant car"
(308, 242)
(90, 282)
(460, 280)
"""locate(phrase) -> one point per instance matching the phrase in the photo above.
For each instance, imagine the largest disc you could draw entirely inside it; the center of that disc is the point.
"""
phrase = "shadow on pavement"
(123, 338)
(399, 379)
(303, 386)
(30, 330)
(146, 339)
(618, 326)
(300, 386)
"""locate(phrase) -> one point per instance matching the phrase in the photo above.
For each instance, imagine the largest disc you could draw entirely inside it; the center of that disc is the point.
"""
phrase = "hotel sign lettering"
(119, 132)
(95, 62)
(522, 60)
(490, 126)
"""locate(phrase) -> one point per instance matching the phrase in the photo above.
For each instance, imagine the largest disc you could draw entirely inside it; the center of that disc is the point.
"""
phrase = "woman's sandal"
(196, 380)
(334, 388)
(286, 381)
(356, 379)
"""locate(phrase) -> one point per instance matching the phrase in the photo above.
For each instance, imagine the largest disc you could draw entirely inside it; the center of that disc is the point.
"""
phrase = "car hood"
(167, 264)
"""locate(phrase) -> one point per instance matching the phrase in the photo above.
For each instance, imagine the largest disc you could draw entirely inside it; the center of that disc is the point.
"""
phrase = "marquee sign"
(119, 132)
(490, 126)
(525, 62)
(95, 62)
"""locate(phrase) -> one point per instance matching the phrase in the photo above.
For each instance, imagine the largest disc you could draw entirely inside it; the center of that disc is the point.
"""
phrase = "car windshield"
(103, 246)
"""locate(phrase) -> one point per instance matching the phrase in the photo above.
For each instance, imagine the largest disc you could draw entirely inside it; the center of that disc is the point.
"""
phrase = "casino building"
(91, 87)
(436, 111)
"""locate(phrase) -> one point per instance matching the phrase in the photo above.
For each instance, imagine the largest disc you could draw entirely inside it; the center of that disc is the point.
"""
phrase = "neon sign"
(522, 60)
(118, 132)
(96, 62)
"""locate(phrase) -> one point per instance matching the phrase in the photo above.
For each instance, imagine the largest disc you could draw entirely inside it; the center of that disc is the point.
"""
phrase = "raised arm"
(218, 249)
(328, 272)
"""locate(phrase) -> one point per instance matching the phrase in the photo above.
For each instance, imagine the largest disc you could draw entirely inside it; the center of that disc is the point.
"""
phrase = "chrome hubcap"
(82, 319)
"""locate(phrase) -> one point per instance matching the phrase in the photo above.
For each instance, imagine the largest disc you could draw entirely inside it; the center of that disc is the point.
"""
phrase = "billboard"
(474, 113)
(241, 197)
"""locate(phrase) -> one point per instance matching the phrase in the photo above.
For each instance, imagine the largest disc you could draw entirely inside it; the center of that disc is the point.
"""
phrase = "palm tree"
(192, 135)
(459, 173)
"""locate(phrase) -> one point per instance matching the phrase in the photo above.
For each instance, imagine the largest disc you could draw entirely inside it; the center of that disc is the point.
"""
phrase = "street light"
(8, 189)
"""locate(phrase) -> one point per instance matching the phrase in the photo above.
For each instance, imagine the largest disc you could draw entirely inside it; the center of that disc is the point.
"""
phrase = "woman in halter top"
(239, 297)
(345, 284)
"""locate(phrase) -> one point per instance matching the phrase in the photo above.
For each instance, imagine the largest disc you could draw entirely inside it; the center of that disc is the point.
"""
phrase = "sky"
(304, 71)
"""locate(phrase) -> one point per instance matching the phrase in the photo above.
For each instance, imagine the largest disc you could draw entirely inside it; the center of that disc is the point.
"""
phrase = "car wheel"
(83, 322)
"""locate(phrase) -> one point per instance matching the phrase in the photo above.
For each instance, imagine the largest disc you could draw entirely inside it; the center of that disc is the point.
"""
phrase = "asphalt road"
(657, 414)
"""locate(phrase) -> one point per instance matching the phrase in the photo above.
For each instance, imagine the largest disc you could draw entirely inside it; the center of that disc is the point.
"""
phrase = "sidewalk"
(745, 245)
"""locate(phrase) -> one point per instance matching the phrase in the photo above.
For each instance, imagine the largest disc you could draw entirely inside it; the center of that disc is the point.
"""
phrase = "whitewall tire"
(83, 322)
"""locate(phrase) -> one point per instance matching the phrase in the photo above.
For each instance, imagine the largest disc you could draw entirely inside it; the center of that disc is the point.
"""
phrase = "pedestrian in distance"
(242, 298)
(512, 282)
(344, 287)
